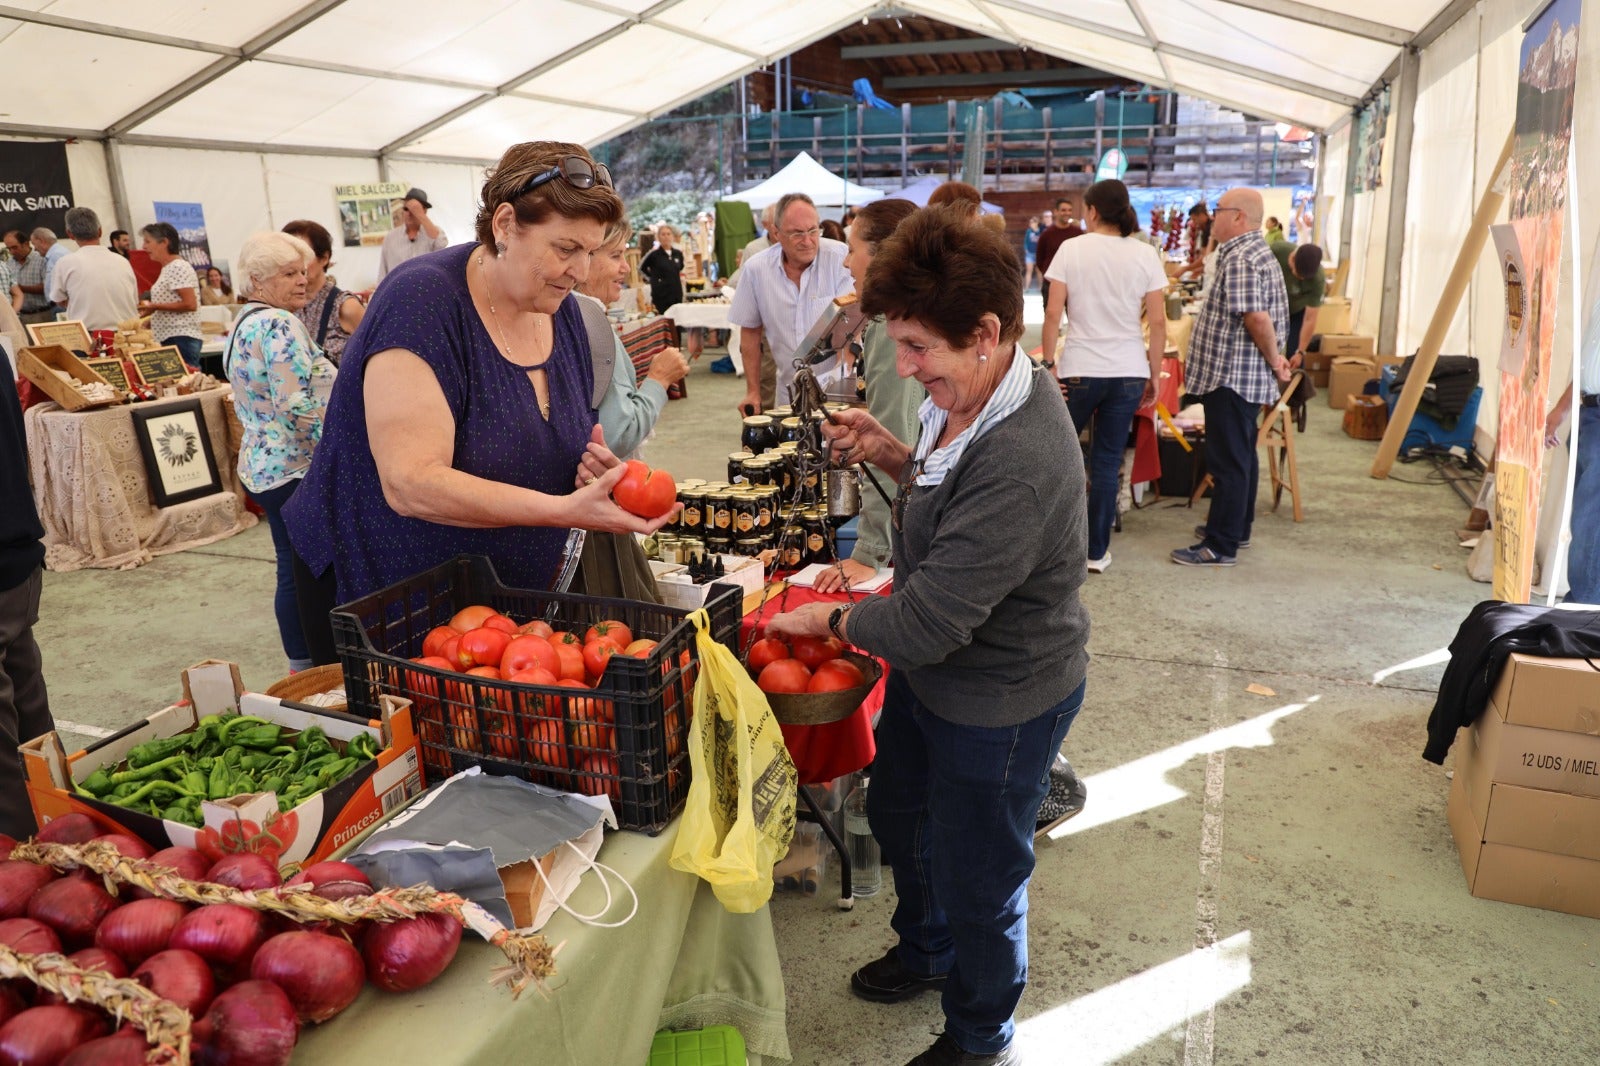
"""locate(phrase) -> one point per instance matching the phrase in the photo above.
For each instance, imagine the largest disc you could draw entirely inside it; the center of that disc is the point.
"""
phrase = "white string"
(590, 919)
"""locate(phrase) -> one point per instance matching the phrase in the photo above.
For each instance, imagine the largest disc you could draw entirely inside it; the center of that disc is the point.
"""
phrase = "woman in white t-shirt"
(174, 304)
(1105, 282)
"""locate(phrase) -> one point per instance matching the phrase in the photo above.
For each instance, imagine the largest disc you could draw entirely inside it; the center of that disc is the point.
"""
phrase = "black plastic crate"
(625, 737)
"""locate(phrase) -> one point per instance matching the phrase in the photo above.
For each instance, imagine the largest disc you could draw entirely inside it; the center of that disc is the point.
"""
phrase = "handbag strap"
(335, 298)
(233, 333)
(602, 869)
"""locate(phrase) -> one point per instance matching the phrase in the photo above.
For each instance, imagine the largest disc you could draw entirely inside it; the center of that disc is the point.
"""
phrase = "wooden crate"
(39, 364)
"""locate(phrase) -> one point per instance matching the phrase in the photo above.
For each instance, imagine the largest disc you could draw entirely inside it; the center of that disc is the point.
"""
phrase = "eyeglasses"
(801, 234)
(576, 170)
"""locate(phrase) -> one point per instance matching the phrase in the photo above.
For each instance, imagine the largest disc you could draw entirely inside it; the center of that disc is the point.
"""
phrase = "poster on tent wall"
(369, 211)
(34, 187)
(1371, 125)
(1546, 84)
(190, 222)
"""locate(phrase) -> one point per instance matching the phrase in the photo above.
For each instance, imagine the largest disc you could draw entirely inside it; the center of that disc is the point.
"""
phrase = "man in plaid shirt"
(1235, 365)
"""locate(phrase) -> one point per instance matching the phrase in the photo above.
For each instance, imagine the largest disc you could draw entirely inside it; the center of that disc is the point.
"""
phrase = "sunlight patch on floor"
(1432, 658)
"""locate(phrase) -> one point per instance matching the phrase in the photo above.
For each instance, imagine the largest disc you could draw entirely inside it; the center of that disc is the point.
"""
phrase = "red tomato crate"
(624, 738)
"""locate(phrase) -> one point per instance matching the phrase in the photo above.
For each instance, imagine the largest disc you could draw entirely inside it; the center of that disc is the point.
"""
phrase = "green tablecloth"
(683, 962)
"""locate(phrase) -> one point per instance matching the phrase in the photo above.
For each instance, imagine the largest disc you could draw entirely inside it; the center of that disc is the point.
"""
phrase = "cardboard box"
(1520, 875)
(1557, 822)
(310, 832)
(1337, 344)
(39, 364)
(1548, 693)
(1334, 315)
(1519, 752)
(1365, 417)
(1348, 376)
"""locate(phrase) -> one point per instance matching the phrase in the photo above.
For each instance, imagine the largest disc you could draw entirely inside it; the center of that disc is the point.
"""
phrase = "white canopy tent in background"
(919, 191)
(804, 174)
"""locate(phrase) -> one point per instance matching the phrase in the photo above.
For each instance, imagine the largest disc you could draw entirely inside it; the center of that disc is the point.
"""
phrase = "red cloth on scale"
(821, 752)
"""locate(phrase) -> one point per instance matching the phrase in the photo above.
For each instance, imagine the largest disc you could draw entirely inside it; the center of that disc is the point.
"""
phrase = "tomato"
(433, 643)
(615, 632)
(482, 647)
(537, 675)
(537, 628)
(785, 675)
(500, 622)
(490, 672)
(566, 636)
(764, 651)
(470, 618)
(569, 665)
(607, 773)
(814, 652)
(845, 669)
(525, 653)
(596, 654)
(452, 647)
(825, 680)
(645, 492)
(639, 649)
(547, 743)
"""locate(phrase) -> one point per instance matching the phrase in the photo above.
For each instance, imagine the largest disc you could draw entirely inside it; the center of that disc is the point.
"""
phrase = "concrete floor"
(1255, 879)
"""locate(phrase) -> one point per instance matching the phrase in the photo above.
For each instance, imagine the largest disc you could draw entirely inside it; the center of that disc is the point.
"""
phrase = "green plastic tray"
(715, 1045)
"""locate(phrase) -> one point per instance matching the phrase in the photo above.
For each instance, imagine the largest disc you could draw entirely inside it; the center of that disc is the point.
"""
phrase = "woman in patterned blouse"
(174, 302)
(281, 382)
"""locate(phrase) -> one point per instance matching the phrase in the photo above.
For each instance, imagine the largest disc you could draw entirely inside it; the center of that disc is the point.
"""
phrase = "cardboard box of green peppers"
(226, 755)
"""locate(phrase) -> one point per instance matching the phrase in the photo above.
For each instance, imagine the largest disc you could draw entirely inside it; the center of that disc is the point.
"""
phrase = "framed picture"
(160, 365)
(176, 446)
(113, 371)
(73, 336)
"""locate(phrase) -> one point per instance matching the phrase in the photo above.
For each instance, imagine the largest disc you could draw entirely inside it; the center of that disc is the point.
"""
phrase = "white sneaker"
(1098, 566)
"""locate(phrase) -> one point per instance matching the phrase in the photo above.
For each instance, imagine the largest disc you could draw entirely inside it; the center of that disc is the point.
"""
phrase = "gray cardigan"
(985, 618)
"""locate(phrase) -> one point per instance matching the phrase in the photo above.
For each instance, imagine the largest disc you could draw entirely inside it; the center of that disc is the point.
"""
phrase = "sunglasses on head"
(576, 170)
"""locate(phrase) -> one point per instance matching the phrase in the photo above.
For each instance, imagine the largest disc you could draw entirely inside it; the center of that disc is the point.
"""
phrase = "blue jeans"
(188, 347)
(1235, 466)
(1112, 403)
(283, 600)
(1583, 554)
(954, 808)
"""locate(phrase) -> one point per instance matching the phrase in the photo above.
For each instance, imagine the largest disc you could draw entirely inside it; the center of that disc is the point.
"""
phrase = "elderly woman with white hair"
(281, 382)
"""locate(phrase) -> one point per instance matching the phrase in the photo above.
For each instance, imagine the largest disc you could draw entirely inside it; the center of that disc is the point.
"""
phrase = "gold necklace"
(488, 291)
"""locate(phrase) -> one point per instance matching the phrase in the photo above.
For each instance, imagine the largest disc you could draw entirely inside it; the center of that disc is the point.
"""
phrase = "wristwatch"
(835, 617)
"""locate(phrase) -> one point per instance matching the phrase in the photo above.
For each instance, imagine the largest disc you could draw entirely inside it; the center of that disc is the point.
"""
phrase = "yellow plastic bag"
(739, 816)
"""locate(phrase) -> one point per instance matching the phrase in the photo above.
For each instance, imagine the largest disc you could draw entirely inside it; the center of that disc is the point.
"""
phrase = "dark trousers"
(954, 809)
(1111, 403)
(316, 597)
(1291, 343)
(1235, 466)
(24, 704)
(188, 347)
(283, 600)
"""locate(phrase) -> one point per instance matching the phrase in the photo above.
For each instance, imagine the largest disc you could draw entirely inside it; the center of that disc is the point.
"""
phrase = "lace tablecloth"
(93, 495)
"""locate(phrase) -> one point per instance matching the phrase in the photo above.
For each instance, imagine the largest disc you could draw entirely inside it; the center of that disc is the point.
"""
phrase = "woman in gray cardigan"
(984, 633)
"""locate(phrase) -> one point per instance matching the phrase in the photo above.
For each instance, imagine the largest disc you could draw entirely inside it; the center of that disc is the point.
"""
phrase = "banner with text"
(35, 189)
(368, 212)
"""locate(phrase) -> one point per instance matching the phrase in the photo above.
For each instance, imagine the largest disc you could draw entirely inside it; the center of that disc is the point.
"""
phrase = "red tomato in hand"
(469, 618)
(814, 652)
(433, 643)
(482, 647)
(843, 668)
(615, 632)
(645, 492)
(784, 675)
(525, 653)
(500, 622)
(570, 665)
(765, 651)
(596, 654)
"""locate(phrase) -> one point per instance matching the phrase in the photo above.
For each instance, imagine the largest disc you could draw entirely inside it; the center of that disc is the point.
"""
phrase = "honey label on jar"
(746, 523)
(764, 516)
(691, 516)
(791, 555)
(814, 542)
(724, 518)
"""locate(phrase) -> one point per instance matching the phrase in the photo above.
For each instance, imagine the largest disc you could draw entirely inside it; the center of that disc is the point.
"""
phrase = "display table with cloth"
(683, 962)
(710, 314)
(643, 340)
(93, 493)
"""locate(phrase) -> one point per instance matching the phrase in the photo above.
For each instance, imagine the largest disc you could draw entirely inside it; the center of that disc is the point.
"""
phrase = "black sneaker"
(888, 981)
(1064, 800)
(946, 1052)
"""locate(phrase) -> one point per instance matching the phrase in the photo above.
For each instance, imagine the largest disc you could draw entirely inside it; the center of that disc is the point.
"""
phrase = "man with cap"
(416, 235)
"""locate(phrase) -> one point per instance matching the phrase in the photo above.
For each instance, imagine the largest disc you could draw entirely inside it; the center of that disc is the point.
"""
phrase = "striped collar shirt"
(1012, 392)
(1221, 353)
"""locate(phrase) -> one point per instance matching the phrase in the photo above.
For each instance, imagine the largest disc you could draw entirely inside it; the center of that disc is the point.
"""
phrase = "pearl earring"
(499, 247)
(983, 358)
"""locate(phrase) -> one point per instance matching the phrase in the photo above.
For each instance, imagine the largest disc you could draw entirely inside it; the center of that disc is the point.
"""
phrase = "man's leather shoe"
(946, 1052)
(888, 981)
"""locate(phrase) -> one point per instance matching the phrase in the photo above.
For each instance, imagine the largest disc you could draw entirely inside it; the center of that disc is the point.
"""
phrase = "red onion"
(226, 935)
(18, 882)
(126, 1047)
(137, 930)
(28, 936)
(251, 1024)
(11, 1003)
(245, 870)
(187, 863)
(87, 959)
(179, 976)
(42, 1036)
(72, 908)
(408, 954)
(71, 828)
(7, 842)
(321, 974)
(333, 880)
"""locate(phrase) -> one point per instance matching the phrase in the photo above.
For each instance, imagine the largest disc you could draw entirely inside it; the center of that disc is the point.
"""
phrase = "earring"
(983, 358)
(499, 247)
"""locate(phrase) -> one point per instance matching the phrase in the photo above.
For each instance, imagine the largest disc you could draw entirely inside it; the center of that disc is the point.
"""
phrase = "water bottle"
(866, 867)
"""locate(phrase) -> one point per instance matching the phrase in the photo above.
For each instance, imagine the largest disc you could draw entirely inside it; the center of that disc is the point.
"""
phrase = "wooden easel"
(1277, 436)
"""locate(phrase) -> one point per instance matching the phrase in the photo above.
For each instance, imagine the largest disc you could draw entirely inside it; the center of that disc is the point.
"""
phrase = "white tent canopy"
(919, 191)
(804, 174)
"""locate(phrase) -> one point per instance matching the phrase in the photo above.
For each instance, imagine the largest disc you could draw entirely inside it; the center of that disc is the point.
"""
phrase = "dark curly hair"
(945, 269)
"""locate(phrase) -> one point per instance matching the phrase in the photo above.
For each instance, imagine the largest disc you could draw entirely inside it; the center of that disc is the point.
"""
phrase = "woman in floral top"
(281, 382)
(174, 302)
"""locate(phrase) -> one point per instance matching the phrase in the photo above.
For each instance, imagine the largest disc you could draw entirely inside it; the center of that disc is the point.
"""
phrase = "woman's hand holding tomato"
(591, 506)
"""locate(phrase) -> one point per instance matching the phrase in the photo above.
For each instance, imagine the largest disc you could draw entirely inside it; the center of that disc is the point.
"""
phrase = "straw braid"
(530, 955)
(165, 1024)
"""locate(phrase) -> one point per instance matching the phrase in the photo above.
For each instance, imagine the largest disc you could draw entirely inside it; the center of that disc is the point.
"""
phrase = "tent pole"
(1347, 216)
(1454, 287)
(383, 166)
(119, 188)
(1399, 193)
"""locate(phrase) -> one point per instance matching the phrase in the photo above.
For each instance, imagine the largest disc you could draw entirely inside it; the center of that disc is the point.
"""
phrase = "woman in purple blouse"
(462, 407)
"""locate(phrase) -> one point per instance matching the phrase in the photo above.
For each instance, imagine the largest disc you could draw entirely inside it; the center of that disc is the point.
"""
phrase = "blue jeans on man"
(284, 604)
(1234, 466)
(953, 808)
(1583, 553)
(1111, 403)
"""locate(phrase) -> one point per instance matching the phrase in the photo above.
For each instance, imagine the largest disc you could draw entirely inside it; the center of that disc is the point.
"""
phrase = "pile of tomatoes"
(804, 664)
(573, 738)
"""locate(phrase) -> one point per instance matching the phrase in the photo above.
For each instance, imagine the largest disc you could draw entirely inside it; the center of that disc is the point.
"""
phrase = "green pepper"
(97, 783)
(194, 782)
(256, 761)
(238, 724)
(149, 770)
(275, 783)
(362, 746)
(156, 751)
(217, 782)
(290, 763)
(148, 788)
(312, 766)
(261, 736)
(241, 784)
(283, 749)
(311, 736)
(334, 772)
